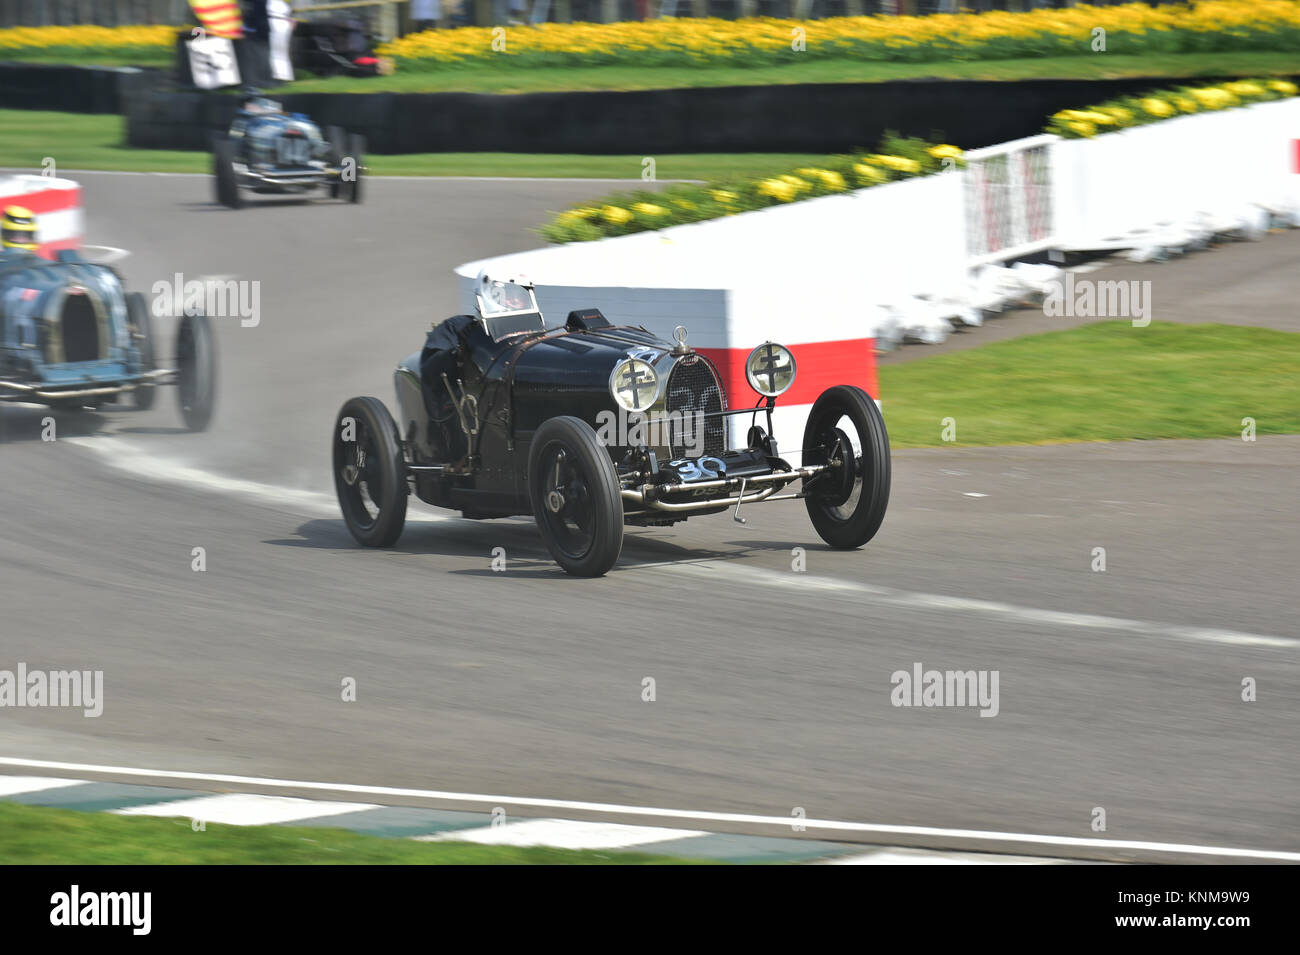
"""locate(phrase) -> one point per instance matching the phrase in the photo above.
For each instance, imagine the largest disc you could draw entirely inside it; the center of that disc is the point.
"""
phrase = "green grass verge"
(31, 835)
(1107, 381)
(81, 141)
(495, 77)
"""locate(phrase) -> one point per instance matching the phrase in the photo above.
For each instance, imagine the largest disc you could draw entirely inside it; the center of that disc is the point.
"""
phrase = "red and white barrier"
(56, 203)
(807, 276)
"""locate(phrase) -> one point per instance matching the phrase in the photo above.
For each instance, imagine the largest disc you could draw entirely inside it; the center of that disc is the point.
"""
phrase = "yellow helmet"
(18, 229)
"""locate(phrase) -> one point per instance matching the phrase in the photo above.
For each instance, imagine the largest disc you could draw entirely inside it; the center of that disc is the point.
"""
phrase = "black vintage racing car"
(589, 427)
(269, 151)
(72, 337)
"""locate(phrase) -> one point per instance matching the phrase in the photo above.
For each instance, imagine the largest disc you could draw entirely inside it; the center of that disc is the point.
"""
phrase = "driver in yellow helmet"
(18, 229)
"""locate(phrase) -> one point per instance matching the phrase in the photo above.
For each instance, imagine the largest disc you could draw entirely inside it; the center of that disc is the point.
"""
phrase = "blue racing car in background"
(269, 151)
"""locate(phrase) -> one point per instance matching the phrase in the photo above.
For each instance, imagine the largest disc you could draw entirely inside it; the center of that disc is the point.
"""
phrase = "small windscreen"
(496, 297)
(503, 326)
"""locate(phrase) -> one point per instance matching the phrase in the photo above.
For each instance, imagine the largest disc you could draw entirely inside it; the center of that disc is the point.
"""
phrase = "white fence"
(1009, 199)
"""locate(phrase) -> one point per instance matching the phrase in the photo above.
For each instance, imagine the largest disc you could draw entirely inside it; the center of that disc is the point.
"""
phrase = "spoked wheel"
(196, 371)
(142, 332)
(369, 472)
(847, 503)
(576, 497)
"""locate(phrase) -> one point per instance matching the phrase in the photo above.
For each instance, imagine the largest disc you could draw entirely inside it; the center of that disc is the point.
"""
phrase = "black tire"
(847, 505)
(223, 171)
(356, 152)
(196, 371)
(583, 526)
(137, 311)
(369, 472)
(338, 141)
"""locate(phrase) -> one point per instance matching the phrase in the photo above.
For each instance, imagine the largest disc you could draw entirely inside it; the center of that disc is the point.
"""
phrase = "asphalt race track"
(1119, 690)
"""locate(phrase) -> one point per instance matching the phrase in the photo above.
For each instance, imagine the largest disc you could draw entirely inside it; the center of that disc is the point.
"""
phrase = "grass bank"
(82, 141)
(1107, 381)
(31, 835)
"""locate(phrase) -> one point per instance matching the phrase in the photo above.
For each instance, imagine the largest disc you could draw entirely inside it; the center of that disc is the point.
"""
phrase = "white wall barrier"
(1214, 169)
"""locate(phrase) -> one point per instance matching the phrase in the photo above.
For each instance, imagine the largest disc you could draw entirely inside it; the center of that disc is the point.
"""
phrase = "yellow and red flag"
(219, 17)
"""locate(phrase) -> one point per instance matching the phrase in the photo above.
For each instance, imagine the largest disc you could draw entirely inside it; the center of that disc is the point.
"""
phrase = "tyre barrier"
(813, 118)
(73, 89)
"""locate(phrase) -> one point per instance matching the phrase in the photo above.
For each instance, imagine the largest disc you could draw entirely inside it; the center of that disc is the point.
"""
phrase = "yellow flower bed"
(16, 41)
(1153, 107)
(637, 212)
(1198, 26)
(1209, 25)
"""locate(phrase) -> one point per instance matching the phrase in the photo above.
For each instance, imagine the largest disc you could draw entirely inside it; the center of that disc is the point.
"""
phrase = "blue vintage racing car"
(269, 151)
(72, 337)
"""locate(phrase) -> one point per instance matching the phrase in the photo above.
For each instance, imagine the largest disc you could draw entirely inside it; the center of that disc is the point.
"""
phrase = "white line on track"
(923, 857)
(914, 600)
(128, 457)
(781, 822)
(152, 466)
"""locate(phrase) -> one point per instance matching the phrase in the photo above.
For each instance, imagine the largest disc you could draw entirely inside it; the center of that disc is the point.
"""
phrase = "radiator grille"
(80, 331)
(694, 387)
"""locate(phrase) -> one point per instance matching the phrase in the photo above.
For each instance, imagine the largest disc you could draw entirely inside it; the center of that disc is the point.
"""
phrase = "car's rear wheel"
(223, 171)
(356, 152)
(847, 503)
(338, 149)
(196, 371)
(137, 311)
(576, 497)
(369, 472)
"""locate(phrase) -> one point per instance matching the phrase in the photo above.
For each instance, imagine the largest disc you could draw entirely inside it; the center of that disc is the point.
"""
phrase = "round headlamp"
(770, 369)
(634, 384)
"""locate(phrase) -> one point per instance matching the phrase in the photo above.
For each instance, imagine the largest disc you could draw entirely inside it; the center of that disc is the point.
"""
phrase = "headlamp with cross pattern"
(770, 369)
(634, 384)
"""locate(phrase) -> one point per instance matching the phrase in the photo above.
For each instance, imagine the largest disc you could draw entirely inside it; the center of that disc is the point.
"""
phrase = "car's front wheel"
(223, 171)
(847, 502)
(575, 496)
(196, 371)
(369, 472)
